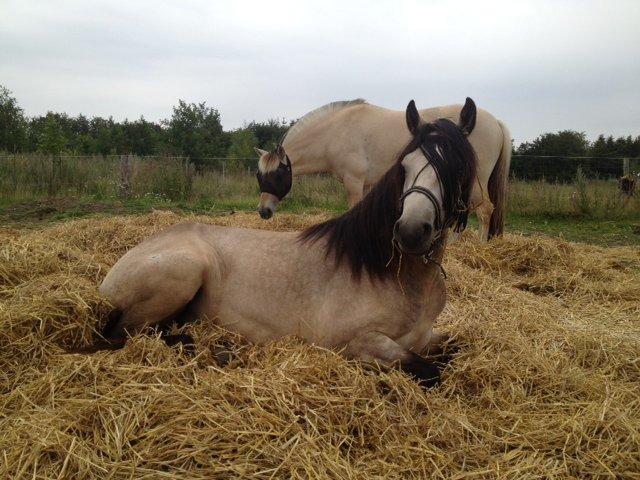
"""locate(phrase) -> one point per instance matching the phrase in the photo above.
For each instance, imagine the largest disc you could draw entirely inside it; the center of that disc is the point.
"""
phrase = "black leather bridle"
(439, 224)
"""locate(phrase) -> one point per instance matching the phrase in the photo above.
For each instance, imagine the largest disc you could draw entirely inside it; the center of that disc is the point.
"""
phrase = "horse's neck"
(306, 152)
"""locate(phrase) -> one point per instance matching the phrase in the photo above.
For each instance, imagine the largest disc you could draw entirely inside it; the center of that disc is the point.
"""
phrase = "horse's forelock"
(268, 162)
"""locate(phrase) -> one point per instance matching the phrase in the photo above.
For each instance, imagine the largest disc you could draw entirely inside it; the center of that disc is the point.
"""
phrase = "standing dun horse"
(357, 142)
(376, 298)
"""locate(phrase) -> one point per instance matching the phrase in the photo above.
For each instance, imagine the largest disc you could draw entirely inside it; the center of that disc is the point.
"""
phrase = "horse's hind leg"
(375, 346)
(158, 308)
(187, 315)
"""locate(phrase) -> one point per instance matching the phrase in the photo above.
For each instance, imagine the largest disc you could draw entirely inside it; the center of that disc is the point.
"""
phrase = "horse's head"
(274, 177)
(439, 166)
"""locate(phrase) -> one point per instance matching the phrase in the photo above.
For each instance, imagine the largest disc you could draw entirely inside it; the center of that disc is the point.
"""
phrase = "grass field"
(37, 188)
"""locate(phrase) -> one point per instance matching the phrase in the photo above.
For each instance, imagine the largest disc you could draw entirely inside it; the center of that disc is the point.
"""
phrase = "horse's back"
(486, 138)
(378, 134)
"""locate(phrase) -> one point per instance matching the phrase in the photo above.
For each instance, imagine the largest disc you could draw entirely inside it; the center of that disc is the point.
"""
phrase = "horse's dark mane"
(363, 235)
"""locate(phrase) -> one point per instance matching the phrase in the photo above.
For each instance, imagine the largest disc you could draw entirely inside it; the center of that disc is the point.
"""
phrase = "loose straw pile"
(545, 383)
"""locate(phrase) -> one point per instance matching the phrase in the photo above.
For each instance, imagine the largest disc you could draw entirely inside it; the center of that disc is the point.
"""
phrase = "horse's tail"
(498, 184)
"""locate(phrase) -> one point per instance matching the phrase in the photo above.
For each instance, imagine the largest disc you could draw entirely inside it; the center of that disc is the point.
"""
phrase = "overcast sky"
(538, 65)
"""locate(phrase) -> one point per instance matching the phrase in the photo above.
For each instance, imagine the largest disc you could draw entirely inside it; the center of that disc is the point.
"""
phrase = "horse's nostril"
(426, 229)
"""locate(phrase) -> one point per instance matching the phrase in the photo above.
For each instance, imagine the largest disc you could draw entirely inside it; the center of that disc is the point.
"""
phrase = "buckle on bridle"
(426, 258)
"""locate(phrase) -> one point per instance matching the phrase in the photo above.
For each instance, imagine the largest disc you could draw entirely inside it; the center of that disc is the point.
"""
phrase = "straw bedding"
(545, 382)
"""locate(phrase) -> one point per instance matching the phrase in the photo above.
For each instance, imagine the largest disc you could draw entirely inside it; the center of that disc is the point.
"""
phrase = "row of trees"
(575, 144)
(194, 130)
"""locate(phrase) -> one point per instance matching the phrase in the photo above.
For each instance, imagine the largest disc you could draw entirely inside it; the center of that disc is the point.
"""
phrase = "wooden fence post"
(190, 173)
(126, 170)
(625, 167)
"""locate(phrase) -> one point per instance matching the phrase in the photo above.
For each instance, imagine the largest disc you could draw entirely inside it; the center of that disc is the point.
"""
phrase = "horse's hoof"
(186, 341)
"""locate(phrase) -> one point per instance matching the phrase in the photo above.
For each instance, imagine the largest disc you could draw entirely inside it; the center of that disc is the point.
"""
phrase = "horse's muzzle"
(413, 237)
(265, 213)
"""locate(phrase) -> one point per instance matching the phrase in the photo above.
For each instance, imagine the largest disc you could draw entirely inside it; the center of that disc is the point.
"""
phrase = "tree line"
(194, 130)
(570, 143)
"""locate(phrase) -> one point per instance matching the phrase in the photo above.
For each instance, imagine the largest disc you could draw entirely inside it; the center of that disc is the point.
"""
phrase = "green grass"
(35, 188)
(599, 232)
(596, 231)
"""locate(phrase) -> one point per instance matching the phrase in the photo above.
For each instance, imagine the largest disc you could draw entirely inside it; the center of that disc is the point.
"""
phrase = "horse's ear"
(280, 152)
(468, 116)
(413, 118)
(260, 152)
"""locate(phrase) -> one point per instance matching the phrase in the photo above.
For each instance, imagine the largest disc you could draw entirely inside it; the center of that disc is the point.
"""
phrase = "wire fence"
(183, 177)
(539, 185)
(24, 177)
(532, 167)
(556, 168)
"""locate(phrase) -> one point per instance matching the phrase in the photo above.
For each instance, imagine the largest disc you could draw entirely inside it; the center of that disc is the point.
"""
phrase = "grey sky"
(538, 65)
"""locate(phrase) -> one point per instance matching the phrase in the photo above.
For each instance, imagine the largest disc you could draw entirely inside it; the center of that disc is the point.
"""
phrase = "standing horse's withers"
(368, 282)
(358, 142)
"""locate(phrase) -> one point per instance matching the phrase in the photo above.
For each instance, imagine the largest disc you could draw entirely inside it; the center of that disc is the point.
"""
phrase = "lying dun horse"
(357, 142)
(368, 282)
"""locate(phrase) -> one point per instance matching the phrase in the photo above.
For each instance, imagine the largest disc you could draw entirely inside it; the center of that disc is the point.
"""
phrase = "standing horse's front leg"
(355, 189)
(375, 346)
(484, 212)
